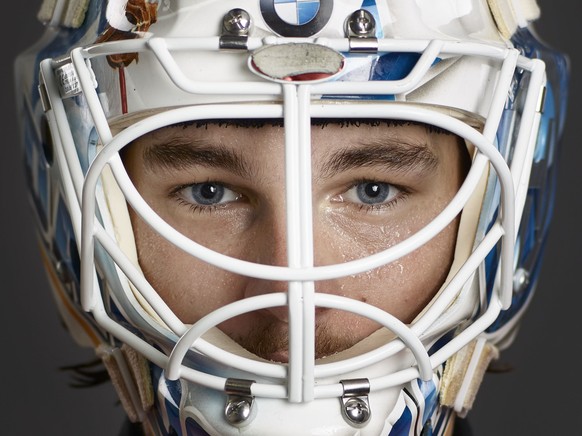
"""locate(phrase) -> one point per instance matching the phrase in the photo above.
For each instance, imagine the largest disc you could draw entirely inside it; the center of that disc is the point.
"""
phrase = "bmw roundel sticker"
(296, 12)
(296, 18)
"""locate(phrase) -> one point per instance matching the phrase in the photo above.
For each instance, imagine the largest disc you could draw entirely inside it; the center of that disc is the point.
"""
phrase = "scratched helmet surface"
(106, 73)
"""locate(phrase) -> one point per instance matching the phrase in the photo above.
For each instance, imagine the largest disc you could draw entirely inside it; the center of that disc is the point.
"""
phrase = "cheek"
(406, 286)
(356, 236)
(190, 287)
(402, 288)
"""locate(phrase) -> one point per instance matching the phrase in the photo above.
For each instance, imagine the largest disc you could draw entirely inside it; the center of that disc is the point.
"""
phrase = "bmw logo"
(296, 18)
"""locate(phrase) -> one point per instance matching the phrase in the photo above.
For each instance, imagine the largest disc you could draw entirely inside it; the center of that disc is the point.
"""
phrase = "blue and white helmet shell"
(106, 73)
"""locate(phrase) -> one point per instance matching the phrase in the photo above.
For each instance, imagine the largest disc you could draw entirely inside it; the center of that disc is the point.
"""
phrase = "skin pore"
(223, 186)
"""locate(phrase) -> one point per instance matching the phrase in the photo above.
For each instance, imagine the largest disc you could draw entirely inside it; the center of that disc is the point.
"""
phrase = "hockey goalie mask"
(301, 217)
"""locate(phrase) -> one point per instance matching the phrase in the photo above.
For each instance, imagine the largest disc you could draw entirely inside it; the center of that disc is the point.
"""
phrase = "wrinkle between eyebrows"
(184, 153)
(392, 155)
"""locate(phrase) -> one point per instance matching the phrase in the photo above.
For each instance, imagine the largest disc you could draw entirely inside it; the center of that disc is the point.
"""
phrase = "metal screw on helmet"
(63, 273)
(236, 25)
(236, 22)
(238, 410)
(239, 401)
(357, 410)
(362, 24)
(520, 280)
(361, 31)
(355, 404)
(60, 270)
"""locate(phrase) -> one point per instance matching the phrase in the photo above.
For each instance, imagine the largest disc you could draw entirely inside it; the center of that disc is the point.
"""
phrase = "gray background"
(540, 396)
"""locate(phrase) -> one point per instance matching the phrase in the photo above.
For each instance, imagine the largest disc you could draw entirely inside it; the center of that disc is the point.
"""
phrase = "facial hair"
(269, 339)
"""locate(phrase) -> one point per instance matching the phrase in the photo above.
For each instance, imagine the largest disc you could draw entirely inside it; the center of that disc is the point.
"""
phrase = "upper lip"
(281, 313)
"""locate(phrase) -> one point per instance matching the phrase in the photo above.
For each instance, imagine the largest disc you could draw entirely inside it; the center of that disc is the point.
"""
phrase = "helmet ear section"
(59, 248)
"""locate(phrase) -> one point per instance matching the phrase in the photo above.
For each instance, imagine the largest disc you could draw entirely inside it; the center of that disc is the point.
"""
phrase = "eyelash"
(195, 208)
(370, 208)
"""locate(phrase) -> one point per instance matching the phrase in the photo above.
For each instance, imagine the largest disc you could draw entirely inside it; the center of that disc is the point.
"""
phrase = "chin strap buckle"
(355, 404)
(239, 401)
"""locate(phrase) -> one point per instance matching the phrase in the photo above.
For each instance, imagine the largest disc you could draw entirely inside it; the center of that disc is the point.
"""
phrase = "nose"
(269, 247)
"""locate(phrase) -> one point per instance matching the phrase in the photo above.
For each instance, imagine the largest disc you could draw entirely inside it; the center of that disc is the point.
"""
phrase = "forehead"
(258, 146)
(324, 133)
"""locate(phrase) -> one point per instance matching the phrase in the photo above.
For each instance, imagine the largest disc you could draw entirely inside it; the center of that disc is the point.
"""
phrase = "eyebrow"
(180, 154)
(390, 154)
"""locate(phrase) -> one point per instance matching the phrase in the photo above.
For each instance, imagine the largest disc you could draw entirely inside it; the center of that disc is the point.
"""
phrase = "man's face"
(223, 186)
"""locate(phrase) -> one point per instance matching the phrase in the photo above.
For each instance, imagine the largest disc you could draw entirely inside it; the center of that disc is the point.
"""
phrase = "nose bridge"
(270, 242)
(268, 246)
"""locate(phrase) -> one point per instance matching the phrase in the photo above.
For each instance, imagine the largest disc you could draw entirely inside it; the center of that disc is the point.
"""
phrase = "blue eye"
(207, 194)
(371, 193)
